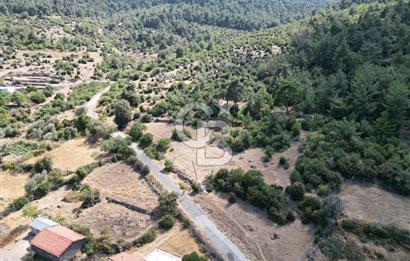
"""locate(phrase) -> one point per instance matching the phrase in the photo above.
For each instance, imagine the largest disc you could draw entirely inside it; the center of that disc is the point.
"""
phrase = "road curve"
(225, 247)
(92, 104)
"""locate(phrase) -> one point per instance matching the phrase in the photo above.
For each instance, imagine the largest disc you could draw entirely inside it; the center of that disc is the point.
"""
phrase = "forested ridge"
(246, 15)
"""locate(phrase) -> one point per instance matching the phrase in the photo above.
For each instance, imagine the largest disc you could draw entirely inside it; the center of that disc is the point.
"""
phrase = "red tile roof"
(124, 257)
(56, 240)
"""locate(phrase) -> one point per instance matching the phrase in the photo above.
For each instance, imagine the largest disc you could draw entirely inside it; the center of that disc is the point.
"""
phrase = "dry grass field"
(71, 155)
(177, 241)
(184, 157)
(250, 228)
(11, 187)
(373, 204)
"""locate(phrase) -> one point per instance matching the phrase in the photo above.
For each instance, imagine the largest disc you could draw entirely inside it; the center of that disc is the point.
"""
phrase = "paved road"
(92, 104)
(17, 249)
(225, 247)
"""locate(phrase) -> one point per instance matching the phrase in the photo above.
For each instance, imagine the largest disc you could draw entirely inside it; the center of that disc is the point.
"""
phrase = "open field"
(250, 228)
(177, 241)
(373, 204)
(117, 181)
(184, 157)
(71, 155)
(11, 187)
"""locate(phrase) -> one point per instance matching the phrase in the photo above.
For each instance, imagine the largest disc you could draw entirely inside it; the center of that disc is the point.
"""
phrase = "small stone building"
(57, 243)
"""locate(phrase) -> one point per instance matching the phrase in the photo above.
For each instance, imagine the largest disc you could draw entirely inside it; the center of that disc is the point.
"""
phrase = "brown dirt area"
(119, 181)
(115, 180)
(373, 204)
(177, 241)
(184, 158)
(71, 155)
(295, 239)
(11, 187)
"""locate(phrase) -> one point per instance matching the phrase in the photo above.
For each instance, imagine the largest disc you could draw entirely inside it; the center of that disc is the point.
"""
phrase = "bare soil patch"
(185, 157)
(11, 187)
(373, 204)
(117, 181)
(71, 155)
(250, 229)
(120, 181)
(178, 242)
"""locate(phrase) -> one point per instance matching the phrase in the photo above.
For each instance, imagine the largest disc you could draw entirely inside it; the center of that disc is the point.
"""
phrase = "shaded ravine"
(225, 247)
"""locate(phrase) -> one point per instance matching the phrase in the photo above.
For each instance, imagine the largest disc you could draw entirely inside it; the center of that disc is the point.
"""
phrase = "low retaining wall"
(129, 206)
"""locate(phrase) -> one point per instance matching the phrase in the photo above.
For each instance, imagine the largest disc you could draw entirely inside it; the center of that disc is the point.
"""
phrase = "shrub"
(19, 203)
(296, 128)
(350, 224)
(332, 247)
(11, 131)
(193, 257)
(37, 97)
(148, 236)
(168, 204)
(90, 197)
(30, 211)
(178, 135)
(284, 162)
(169, 165)
(195, 187)
(296, 191)
(163, 145)
(276, 217)
(123, 113)
(44, 164)
(118, 148)
(290, 216)
(232, 198)
(145, 170)
(136, 131)
(353, 252)
(146, 140)
(167, 222)
(185, 222)
(34, 182)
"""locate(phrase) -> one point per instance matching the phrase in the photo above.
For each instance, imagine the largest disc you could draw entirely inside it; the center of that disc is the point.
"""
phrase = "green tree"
(169, 165)
(146, 140)
(136, 131)
(290, 91)
(168, 204)
(123, 113)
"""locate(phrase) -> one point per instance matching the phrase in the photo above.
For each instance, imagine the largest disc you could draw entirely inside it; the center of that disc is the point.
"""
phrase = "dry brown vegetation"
(71, 155)
(177, 241)
(249, 228)
(184, 157)
(373, 204)
(11, 187)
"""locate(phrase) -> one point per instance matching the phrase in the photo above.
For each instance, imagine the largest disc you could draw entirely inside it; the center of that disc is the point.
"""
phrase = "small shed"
(57, 243)
(41, 223)
(159, 255)
(124, 257)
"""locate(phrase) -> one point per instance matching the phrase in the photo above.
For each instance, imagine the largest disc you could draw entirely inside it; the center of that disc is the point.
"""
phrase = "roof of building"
(158, 255)
(55, 240)
(124, 257)
(41, 223)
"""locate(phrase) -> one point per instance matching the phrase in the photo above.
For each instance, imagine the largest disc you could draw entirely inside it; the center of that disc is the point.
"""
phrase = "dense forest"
(246, 15)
